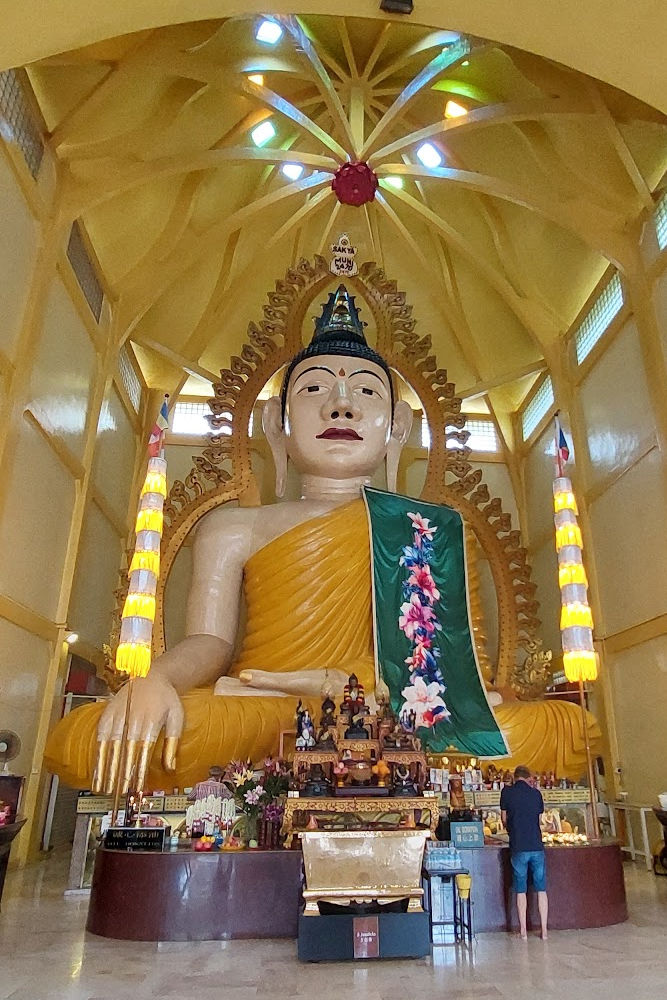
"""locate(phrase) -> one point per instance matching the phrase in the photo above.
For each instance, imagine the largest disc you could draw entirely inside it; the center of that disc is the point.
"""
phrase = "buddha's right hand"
(154, 704)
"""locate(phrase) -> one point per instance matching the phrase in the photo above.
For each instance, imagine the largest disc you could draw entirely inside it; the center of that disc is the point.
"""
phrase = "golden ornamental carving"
(531, 678)
(223, 472)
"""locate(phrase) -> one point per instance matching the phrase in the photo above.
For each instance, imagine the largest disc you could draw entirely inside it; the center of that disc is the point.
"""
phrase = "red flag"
(156, 439)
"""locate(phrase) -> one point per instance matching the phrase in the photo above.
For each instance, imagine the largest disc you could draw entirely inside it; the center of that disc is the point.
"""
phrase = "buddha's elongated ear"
(400, 432)
(272, 425)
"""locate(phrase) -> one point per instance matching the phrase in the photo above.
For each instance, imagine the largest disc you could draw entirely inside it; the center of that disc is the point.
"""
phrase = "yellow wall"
(68, 450)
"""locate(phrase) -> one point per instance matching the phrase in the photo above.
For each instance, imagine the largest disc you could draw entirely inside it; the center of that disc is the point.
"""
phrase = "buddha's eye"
(313, 388)
(367, 392)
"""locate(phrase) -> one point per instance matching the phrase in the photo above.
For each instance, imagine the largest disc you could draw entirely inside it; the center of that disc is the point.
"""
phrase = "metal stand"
(589, 764)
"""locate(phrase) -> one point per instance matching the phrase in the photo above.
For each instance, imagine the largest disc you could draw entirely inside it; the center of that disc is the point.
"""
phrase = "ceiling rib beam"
(483, 387)
(190, 367)
(146, 284)
(322, 78)
(594, 227)
(532, 316)
(286, 108)
(377, 50)
(434, 286)
(117, 178)
(452, 54)
(491, 114)
(438, 39)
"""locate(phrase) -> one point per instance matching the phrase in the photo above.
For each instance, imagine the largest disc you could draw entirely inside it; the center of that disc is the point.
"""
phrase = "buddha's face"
(338, 416)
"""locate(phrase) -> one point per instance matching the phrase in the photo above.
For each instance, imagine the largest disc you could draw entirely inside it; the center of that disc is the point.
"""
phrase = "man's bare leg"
(521, 906)
(543, 907)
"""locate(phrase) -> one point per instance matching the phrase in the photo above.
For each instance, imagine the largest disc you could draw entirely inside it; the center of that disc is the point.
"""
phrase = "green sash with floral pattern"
(423, 639)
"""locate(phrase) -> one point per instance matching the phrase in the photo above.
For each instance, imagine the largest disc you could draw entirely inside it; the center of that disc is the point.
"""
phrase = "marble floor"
(46, 954)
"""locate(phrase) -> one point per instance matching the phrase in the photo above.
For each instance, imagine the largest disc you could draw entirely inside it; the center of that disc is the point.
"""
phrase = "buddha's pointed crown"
(338, 331)
(339, 320)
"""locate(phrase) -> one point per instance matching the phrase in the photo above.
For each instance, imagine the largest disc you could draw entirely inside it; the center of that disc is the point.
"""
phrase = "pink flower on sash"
(416, 615)
(424, 700)
(421, 525)
(421, 577)
(423, 706)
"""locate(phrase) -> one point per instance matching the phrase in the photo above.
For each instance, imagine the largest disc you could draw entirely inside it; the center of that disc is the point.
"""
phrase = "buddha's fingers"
(112, 767)
(173, 727)
(169, 753)
(100, 767)
(143, 762)
(128, 766)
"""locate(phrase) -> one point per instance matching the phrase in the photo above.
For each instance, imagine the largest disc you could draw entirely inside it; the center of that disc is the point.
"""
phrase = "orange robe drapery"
(308, 596)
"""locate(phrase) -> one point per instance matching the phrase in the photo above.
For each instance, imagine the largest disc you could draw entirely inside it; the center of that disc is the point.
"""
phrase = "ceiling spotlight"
(268, 32)
(292, 170)
(263, 133)
(71, 638)
(429, 155)
(395, 182)
(466, 62)
(257, 78)
(396, 6)
(454, 110)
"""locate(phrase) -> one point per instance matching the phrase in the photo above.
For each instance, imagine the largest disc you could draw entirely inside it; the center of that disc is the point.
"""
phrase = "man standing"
(521, 806)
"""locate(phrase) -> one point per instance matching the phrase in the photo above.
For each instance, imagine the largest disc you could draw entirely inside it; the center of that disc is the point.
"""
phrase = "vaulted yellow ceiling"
(545, 180)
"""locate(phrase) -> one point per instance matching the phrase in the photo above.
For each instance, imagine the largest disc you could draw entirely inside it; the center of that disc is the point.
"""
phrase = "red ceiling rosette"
(354, 184)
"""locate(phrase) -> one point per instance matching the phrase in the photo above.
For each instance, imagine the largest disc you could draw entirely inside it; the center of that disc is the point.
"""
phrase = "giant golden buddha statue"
(303, 569)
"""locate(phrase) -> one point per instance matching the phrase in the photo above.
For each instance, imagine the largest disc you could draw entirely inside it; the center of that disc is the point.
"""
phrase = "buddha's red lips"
(340, 434)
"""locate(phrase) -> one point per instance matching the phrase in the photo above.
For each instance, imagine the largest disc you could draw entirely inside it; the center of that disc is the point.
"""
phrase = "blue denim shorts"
(522, 863)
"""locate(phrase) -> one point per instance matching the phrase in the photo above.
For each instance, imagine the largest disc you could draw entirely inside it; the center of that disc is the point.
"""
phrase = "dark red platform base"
(189, 896)
(192, 896)
(585, 886)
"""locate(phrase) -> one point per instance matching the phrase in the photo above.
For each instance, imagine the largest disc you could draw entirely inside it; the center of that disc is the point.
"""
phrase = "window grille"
(660, 218)
(598, 318)
(84, 271)
(537, 408)
(483, 435)
(129, 378)
(190, 418)
(17, 121)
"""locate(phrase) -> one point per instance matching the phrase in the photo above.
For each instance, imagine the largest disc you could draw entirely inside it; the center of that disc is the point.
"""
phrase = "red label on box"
(366, 937)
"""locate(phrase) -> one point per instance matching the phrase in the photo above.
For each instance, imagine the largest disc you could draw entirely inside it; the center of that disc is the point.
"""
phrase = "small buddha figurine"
(403, 783)
(317, 783)
(354, 700)
(305, 729)
(327, 723)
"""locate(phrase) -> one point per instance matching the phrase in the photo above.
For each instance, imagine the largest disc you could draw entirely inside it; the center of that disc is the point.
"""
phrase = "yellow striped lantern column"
(133, 655)
(576, 618)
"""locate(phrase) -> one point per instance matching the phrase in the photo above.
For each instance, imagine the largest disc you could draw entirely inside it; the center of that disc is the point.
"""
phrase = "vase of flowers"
(248, 792)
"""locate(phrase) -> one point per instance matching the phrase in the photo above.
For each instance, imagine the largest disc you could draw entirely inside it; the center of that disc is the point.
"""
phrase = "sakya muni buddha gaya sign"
(423, 641)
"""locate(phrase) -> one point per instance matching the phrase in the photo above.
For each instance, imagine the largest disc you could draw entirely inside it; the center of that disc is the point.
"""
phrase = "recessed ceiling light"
(395, 182)
(71, 638)
(263, 133)
(429, 155)
(466, 62)
(454, 110)
(257, 78)
(292, 170)
(268, 32)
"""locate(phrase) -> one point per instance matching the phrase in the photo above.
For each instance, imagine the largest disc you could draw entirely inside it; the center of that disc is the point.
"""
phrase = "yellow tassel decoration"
(139, 606)
(155, 482)
(133, 658)
(576, 614)
(568, 534)
(146, 560)
(580, 665)
(149, 520)
(572, 573)
(565, 501)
